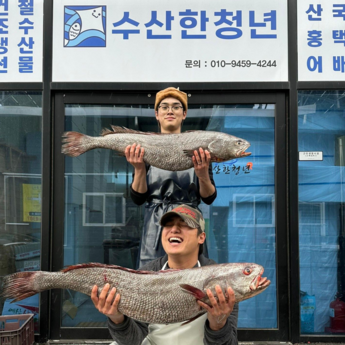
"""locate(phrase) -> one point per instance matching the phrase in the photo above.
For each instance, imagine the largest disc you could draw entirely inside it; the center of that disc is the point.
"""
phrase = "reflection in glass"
(321, 124)
(102, 224)
(20, 190)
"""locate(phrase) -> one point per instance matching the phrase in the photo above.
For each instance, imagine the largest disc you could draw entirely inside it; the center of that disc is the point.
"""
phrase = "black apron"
(167, 189)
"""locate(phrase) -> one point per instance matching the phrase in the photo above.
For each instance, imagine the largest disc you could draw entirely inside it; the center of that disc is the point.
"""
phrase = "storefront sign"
(161, 41)
(310, 155)
(321, 40)
(21, 40)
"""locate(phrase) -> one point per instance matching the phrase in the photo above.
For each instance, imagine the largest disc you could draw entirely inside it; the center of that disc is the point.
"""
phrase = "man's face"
(179, 239)
(170, 115)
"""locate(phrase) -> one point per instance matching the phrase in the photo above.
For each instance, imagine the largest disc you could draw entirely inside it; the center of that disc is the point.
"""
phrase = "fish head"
(227, 147)
(236, 148)
(247, 280)
(244, 278)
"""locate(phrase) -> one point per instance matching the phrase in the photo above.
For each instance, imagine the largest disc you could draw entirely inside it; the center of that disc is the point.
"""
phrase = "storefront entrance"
(94, 219)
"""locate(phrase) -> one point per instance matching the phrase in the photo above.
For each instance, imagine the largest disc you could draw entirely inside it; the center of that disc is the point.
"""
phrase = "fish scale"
(154, 297)
(171, 152)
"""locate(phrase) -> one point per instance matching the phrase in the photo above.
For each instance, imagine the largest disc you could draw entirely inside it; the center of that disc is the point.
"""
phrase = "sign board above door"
(161, 41)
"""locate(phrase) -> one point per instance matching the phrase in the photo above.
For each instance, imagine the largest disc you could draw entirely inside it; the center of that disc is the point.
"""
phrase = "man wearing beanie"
(163, 190)
(183, 236)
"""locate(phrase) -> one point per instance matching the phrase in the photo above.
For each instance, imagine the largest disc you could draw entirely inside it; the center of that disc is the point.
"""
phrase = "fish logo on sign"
(85, 26)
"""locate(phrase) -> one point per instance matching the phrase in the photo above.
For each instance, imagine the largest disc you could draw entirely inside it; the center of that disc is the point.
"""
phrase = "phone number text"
(232, 63)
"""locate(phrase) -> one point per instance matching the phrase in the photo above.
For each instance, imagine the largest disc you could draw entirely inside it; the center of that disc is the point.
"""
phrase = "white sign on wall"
(321, 40)
(310, 155)
(164, 41)
(21, 40)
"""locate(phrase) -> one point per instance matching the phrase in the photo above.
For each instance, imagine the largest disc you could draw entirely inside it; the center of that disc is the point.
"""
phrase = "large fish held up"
(154, 297)
(171, 152)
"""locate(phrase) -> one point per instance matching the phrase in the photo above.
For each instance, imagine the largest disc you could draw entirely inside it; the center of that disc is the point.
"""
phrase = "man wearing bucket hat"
(163, 190)
(183, 237)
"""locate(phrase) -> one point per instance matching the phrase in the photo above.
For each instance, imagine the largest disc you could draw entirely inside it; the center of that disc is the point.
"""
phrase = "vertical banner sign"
(321, 40)
(164, 41)
(32, 203)
(21, 41)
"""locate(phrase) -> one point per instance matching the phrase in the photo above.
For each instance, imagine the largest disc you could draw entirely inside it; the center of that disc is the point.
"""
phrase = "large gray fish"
(154, 297)
(171, 152)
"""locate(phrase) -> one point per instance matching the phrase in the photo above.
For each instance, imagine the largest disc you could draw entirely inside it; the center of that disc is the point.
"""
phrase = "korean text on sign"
(26, 43)
(4, 39)
(195, 24)
(315, 38)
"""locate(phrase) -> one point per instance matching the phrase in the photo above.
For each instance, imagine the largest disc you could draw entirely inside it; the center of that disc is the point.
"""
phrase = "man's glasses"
(174, 108)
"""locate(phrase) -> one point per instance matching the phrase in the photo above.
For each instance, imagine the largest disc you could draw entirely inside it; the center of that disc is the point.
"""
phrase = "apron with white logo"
(167, 189)
(175, 334)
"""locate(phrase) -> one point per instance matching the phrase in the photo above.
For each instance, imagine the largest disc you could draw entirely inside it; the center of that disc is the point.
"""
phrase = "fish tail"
(75, 144)
(19, 285)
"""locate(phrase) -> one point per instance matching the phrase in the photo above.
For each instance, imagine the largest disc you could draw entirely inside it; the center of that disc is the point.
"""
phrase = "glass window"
(321, 128)
(20, 190)
(102, 224)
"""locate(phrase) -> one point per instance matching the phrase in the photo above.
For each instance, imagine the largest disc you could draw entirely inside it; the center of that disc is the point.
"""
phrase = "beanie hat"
(171, 92)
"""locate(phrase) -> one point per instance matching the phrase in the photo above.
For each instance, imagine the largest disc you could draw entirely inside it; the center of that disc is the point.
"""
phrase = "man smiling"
(183, 236)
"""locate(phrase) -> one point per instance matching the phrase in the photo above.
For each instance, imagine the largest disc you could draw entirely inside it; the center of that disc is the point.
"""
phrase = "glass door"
(95, 219)
(321, 212)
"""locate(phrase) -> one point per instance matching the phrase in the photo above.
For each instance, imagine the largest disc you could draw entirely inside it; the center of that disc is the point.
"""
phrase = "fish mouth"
(259, 282)
(243, 153)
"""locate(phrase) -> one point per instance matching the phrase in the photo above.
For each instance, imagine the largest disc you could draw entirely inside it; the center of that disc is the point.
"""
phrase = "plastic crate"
(17, 329)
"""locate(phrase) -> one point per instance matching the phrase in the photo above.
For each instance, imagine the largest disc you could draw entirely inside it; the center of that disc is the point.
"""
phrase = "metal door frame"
(283, 332)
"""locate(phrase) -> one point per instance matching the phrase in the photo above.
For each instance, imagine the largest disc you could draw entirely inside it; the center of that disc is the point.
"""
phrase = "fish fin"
(190, 153)
(192, 319)
(212, 282)
(119, 154)
(121, 129)
(124, 130)
(18, 286)
(197, 293)
(106, 131)
(98, 265)
(215, 146)
(73, 144)
(216, 159)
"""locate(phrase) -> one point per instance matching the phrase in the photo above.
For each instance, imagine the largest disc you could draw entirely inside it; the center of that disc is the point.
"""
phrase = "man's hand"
(107, 304)
(221, 309)
(135, 156)
(201, 161)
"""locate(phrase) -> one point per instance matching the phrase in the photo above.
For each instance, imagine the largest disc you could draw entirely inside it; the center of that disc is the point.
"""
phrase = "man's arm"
(222, 313)
(138, 188)
(138, 198)
(128, 332)
(203, 170)
(209, 200)
(226, 335)
(201, 161)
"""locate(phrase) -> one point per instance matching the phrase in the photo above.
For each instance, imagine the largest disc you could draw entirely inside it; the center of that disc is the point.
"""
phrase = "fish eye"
(247, 271)
(239, 142)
